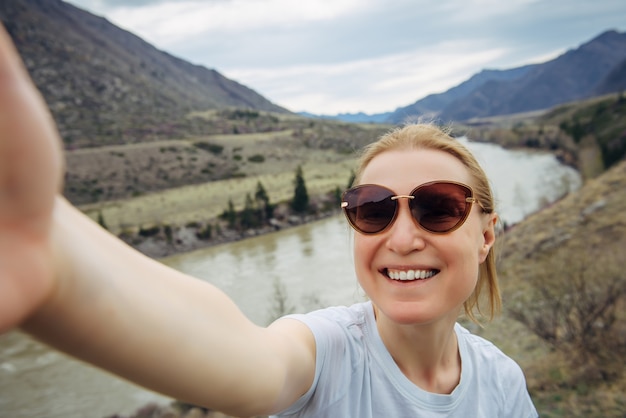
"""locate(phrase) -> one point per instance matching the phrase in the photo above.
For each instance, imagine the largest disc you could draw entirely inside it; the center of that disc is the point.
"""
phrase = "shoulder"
(481, 349)
(338, 318)
(494, 371)
(339, 351)
(339, 332)
(486, 356)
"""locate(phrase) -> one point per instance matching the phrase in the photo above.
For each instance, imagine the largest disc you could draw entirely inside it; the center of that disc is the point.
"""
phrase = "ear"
(489, 235)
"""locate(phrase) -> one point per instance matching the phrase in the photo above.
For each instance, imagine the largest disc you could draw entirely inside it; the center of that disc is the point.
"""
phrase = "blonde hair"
(429, 136)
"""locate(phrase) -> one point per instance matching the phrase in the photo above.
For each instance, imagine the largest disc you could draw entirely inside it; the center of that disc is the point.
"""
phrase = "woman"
(425, 227)
(423, 248)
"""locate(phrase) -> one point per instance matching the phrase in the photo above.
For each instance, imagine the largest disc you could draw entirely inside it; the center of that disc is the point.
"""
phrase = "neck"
(427, 354)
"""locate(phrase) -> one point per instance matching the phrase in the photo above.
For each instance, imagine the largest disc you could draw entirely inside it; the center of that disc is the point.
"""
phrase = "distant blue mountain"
(352, 117)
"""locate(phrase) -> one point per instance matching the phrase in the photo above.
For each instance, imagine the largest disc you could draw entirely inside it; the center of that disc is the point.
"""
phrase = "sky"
(349, 56)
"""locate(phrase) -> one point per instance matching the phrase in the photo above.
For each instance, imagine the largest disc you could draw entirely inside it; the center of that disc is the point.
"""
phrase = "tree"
(300, 202)
(263, 202)
(229, 215)
(249, 218)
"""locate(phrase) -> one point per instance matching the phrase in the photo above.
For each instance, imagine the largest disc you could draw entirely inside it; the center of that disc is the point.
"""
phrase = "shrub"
(205, 233)
(169, 233)
(212, 148)
(576, 297)
(256, 158)
(149, 231)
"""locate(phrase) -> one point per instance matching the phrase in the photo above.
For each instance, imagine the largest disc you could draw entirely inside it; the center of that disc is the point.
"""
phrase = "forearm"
(129, 314)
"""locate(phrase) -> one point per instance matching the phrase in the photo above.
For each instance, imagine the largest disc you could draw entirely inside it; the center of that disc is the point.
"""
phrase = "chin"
(414, 313)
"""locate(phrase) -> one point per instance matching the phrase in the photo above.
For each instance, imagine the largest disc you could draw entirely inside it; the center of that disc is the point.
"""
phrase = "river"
(297, 269)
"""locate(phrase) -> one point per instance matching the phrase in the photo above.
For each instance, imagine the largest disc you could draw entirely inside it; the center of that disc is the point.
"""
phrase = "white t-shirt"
(355, 376)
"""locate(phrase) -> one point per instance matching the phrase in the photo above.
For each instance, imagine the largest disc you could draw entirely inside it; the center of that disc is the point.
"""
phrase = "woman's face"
(451, 260)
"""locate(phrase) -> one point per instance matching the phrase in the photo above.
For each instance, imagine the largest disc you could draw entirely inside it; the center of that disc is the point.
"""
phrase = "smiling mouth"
(409, 275)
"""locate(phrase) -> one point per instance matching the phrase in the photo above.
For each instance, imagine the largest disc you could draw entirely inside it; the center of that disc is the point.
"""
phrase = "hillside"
(107, 86)
(561, 269)
(589, 135)
(615, 81)
(254, 143)
(561, 272)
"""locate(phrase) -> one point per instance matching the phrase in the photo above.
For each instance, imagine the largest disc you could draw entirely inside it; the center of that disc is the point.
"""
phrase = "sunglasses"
(438, 206)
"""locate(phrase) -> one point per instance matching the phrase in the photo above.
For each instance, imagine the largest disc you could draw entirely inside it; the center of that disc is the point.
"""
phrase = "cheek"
(364, 250)
(360, 248)
(466, 252)
(464, 262)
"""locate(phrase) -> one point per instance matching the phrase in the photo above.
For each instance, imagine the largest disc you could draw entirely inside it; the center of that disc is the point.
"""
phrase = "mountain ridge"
(105, 85)
(571, 76)
(433, 104)
(592, 69)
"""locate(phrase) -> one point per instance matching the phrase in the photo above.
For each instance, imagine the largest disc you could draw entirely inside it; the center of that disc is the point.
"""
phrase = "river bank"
(164, 241)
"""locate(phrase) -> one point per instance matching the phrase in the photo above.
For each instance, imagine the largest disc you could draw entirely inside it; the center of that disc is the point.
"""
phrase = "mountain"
(105, 85)
(433, 104)
(359, 117)
(596, 67)
(575, 75)
(615, 81)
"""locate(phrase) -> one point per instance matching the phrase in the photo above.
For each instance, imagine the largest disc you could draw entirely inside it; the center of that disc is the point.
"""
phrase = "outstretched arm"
(73, 285)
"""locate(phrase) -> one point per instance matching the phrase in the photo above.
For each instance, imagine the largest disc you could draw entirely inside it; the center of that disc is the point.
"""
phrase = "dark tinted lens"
(440, 207)
(369, 208)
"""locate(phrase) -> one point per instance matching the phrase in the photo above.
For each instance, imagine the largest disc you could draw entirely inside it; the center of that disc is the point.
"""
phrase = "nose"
(405, 236)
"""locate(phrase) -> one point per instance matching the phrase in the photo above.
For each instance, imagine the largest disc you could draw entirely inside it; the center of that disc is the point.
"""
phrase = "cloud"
(330, 56)
(169, 22)
(397, 78)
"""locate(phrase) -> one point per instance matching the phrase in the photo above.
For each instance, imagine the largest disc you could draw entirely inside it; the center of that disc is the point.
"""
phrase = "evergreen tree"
(229, 215)
(261, 195)
(248, 215)
(300, 202)
(263, 201)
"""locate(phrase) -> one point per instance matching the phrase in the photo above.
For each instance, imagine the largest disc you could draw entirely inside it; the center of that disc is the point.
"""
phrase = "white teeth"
(406, 275)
